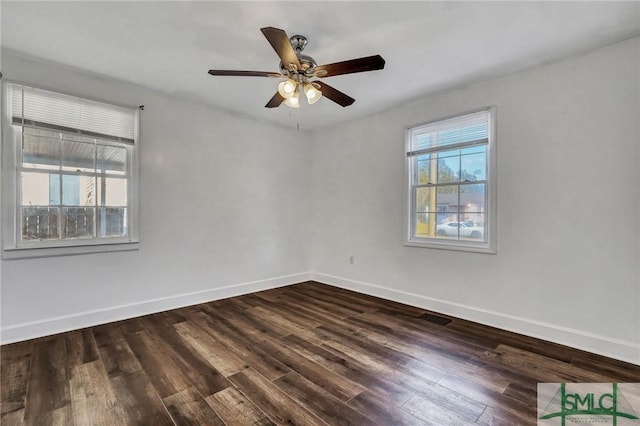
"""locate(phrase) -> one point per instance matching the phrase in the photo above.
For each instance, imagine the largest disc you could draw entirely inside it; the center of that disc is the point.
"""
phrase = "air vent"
(435, 319)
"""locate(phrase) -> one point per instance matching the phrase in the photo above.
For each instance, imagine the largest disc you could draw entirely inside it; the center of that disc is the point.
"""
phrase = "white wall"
(568, 206)
(224, 202)
(568, 210)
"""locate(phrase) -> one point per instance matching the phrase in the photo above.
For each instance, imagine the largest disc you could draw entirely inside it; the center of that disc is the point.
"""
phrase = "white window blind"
(41, 108)
(465, 130)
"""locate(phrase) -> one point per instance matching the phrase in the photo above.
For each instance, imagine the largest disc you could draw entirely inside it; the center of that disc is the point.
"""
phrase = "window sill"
(455, 246)
(37, 252)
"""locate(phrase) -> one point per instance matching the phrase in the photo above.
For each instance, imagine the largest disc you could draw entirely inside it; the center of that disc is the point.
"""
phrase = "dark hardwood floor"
(307, 354)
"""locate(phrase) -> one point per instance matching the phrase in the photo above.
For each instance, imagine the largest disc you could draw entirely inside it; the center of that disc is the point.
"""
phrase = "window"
(451, 183)
(71, 171)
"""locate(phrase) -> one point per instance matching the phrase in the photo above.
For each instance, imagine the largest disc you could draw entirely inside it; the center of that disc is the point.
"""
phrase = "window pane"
(424, 225)
(473, 229)
(474, 167)
(78, 190)
(447, 207)
(472, 210)
(448, 166)
(38, 189)
(112, 222)
(447, 201)
(112, 192)
(425, 200)
(426, 215)
(472, 198)
(78, 156)
(78, 222)
(112, 159)
(423, 170)
(41, 152)
(39, 223)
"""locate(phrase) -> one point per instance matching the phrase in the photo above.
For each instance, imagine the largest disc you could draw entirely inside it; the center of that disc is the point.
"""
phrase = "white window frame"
(490, 245)
(12, 246)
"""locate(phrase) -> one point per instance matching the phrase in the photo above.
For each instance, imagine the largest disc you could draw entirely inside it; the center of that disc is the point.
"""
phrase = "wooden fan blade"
(369, 63)
(334, 94)
(281, 44)
(234, 73)
(275, 101)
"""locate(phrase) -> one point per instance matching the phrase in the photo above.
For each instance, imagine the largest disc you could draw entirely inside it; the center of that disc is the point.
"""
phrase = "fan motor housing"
(299, 42)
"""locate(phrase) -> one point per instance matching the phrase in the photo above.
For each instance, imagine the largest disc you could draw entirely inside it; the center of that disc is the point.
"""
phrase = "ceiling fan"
(299, 70)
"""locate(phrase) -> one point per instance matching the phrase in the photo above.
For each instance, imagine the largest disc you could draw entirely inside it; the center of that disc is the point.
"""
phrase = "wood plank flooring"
(307, 354)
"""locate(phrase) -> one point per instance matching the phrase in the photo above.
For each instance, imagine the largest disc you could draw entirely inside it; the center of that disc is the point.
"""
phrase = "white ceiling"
(429, 47)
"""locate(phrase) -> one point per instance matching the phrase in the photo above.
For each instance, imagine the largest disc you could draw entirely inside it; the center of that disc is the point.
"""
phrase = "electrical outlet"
(352, 260)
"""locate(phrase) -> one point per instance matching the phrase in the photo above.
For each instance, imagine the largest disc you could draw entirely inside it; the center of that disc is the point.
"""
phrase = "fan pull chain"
(295, 111)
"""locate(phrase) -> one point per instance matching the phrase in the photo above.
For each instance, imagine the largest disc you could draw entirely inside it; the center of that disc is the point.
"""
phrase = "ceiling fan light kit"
(293, 101)
(298, 70)
(313, 95)
(287, 88)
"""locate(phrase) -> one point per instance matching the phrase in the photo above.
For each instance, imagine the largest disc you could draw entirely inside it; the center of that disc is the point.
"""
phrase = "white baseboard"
(30, 330)
(613, 348)
(602, 345)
